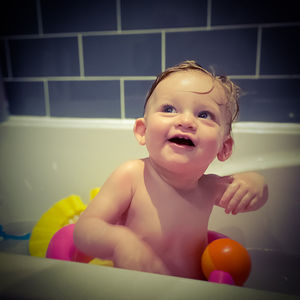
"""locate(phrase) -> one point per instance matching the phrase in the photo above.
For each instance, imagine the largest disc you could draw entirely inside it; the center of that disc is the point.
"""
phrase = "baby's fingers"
(228, 194)
(236, 200)
(244, 205)
(253, 204)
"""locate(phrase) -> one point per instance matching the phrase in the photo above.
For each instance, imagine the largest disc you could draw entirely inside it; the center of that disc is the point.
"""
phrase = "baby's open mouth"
(182, 141)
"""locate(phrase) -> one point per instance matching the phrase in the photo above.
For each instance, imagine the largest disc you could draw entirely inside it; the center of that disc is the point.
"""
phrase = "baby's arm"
(97, 233)
(242, 192)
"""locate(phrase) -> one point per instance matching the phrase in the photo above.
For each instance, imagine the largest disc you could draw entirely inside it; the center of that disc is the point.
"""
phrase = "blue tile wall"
(135, 94)
(78, 16)
(3, 65)
(26, 98)
(269, 100)
(137, 14)
(254, 11)
(122, 55)
(88, 99)
(44, 57)
(97, 59)
(18, 17)
(280, 51)
(227, 51)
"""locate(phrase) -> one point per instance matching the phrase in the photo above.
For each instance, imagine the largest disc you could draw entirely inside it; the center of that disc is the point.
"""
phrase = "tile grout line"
(163, 51)
(8, 59)
(208, 18)
(78, 78)
(47, 98)
(136, 78)
(119, 17)
(80, 55)
(39, 17)
(122, 98)
(258, 51)
(287, 76)
(151, 31)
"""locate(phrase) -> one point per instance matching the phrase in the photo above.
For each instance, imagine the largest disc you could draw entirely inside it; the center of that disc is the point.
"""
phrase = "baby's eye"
(205, 115)
(169, 109)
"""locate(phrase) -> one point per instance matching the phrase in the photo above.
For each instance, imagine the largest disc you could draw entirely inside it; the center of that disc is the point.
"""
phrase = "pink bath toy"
(221, 277)
(214, 235)
(62, 246)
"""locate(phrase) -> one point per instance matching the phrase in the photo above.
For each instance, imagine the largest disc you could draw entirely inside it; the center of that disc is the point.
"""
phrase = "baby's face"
(186, 120)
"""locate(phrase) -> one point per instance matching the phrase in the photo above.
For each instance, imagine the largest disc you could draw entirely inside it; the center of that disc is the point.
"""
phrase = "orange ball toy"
(229, 256)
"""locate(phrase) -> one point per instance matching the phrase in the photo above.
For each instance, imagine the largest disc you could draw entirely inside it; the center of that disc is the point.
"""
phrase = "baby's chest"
(162, 216)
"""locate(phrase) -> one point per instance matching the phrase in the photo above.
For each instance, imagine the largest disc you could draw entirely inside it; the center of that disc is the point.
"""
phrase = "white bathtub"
(43, 160)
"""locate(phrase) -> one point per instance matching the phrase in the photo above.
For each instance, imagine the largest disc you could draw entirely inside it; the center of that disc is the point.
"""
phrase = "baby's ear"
(226, 150)
(139, 130)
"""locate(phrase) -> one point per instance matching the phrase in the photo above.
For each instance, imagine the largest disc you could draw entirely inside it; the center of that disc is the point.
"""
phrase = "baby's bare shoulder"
(128, 170)
(131, 166)
(209, 185)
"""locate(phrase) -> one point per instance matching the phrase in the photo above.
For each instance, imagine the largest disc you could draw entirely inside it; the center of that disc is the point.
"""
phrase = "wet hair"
(232, 91)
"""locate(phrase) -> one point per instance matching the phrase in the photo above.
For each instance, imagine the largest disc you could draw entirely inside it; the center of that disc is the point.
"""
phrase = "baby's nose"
(187, 121)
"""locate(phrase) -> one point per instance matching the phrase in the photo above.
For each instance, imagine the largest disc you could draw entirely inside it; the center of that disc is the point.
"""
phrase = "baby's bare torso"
(172, 222)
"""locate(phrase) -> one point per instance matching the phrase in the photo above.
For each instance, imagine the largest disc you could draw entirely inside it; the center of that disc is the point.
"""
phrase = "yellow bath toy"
(62, 213)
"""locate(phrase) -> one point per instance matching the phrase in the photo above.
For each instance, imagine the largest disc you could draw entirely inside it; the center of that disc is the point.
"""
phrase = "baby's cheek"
(212, 143)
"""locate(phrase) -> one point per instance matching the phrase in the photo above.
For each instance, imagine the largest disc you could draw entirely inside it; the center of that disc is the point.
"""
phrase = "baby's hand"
(243, 192)
(133, 254)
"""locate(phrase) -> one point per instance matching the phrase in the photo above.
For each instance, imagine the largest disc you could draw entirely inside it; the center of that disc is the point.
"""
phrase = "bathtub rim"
(125, 124)
(40, 270)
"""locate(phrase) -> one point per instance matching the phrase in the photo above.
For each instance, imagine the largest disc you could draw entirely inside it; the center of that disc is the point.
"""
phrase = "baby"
(152, 214)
